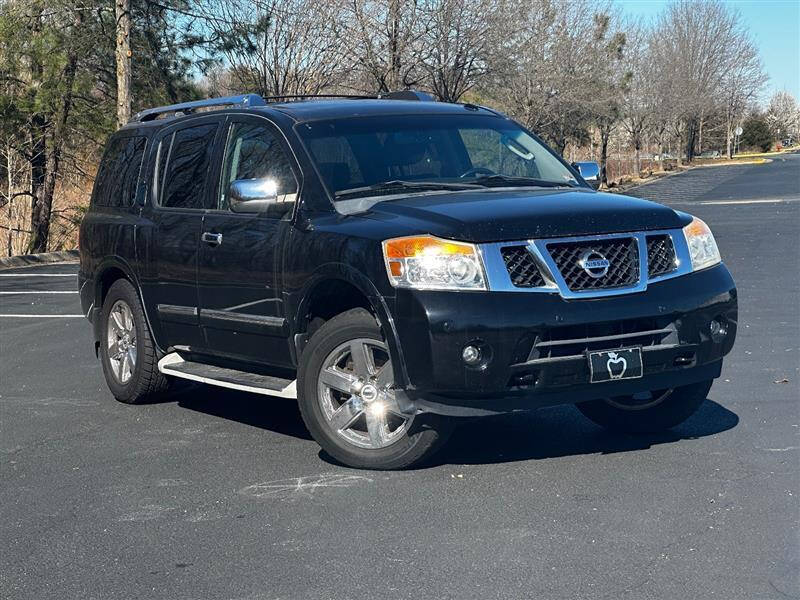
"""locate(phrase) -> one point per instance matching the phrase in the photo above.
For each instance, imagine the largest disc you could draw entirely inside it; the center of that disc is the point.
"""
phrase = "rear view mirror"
(590, 171)
(517, 148)
(252, 195)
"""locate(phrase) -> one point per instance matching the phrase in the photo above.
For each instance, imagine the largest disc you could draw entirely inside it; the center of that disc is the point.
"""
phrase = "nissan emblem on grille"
(595, 264)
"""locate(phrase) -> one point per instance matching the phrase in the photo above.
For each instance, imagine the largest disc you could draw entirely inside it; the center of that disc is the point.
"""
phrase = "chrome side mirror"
(590, 171)
(252, 195)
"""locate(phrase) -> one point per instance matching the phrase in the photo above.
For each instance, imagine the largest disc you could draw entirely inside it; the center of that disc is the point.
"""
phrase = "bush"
(756, 134)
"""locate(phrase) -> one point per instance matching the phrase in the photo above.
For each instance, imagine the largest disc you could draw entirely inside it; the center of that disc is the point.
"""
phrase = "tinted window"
(338, 163)
(118, 175)
(494, 151)
(355, 153)
(253, 152)
(188, 164)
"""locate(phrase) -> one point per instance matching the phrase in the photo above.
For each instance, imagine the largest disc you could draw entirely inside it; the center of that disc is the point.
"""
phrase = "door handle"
(212, 239)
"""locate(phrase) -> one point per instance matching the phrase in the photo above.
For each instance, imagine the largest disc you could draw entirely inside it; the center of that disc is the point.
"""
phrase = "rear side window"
(187, 166)
(118, 175)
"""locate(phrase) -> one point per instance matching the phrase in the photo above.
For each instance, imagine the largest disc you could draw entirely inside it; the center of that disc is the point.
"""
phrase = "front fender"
(337, 271)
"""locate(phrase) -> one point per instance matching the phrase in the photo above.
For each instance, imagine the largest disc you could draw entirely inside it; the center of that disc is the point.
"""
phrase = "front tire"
(127, 351)
(346, 400)
(651, 412)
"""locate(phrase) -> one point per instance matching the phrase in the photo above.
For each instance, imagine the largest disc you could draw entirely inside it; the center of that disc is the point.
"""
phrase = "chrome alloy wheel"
(121, 333)
(355, 393)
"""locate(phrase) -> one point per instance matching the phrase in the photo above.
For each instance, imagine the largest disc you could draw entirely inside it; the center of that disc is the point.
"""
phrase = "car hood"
(501, 215)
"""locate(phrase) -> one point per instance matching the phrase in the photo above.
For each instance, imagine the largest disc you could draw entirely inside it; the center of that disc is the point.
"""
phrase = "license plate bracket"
(615, 365)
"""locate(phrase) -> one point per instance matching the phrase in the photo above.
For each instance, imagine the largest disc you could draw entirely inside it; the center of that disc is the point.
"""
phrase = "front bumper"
(535, 345)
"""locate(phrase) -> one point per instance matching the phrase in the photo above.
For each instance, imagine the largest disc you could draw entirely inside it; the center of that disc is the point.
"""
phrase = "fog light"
(718, 330)
(471, 355)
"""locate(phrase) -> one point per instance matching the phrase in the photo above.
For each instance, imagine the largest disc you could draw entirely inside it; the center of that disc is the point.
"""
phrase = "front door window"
(253, 152)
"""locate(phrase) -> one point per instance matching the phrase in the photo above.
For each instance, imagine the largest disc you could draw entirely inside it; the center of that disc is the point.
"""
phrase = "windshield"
(371, 156)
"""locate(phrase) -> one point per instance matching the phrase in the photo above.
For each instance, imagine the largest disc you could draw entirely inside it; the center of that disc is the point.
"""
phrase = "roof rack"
(186, 108)
(310, 96)
(248, 100)
(407, 95)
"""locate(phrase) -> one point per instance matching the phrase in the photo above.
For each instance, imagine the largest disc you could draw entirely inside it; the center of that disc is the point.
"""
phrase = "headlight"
(427, 262)
(702, 246)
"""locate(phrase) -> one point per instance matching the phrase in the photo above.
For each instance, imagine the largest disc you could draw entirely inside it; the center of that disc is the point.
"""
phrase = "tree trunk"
(38, 162)
(638, 157)
(700, 138)
(123, 58)
(678, 144)
(729, 135)
(729, 143)
(605, 134)
(10, 188)
(394, 45)
(691, 136)
(40, 224)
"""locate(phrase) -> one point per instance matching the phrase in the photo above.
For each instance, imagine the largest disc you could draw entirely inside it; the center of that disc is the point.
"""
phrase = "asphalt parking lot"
(219, 494)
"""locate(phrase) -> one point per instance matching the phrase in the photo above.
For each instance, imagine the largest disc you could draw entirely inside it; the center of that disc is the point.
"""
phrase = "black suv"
(392, 263)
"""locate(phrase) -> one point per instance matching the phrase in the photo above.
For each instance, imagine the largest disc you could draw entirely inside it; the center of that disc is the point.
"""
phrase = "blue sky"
(775, 27)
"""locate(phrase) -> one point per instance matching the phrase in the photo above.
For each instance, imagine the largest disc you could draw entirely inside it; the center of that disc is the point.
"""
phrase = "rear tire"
(345, 396)
(127, 351)
(664, 409)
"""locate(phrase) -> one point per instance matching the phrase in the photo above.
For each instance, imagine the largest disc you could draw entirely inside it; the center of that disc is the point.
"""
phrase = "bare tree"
(556, 82)
(638, 98)
(691, 44)
(741, 82)
(459, 41)
(783, 115)
(277, 47)
(609, 83)
(383, 40)
(12, 199)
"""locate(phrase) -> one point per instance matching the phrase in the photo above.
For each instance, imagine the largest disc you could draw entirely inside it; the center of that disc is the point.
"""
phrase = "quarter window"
(253, 152)
(187, 164)
(118, 175)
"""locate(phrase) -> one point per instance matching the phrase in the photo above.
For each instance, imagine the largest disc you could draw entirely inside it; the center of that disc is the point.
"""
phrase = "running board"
(174, 365)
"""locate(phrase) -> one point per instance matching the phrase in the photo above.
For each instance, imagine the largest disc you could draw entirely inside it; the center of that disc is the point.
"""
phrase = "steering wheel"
(477, 171)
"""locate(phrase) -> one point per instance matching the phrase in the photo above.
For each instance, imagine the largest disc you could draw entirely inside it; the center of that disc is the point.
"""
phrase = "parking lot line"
(731, 202)
(38, 275)
(21, 316)
(41, 292)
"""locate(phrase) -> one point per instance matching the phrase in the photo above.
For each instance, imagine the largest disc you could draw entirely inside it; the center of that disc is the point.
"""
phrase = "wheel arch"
(107, 273)
(110, 270)
(333, 290)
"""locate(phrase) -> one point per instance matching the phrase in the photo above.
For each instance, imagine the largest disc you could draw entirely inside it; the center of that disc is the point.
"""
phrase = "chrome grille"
(521, 267)
(660, 255)
(622, 254)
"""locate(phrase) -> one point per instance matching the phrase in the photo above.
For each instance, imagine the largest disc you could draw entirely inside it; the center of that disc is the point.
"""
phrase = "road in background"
(778, 179)
(218, 494)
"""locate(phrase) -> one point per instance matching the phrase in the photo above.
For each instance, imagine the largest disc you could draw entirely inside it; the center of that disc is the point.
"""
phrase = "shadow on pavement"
(563, 431)
(547, 433)
(280, 415)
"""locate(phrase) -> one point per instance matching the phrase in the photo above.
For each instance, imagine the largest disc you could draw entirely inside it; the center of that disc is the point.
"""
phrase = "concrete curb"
(26, 260)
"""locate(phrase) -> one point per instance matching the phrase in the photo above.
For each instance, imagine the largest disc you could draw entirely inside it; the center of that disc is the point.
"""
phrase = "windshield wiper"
(501, 180)
(387, 187)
